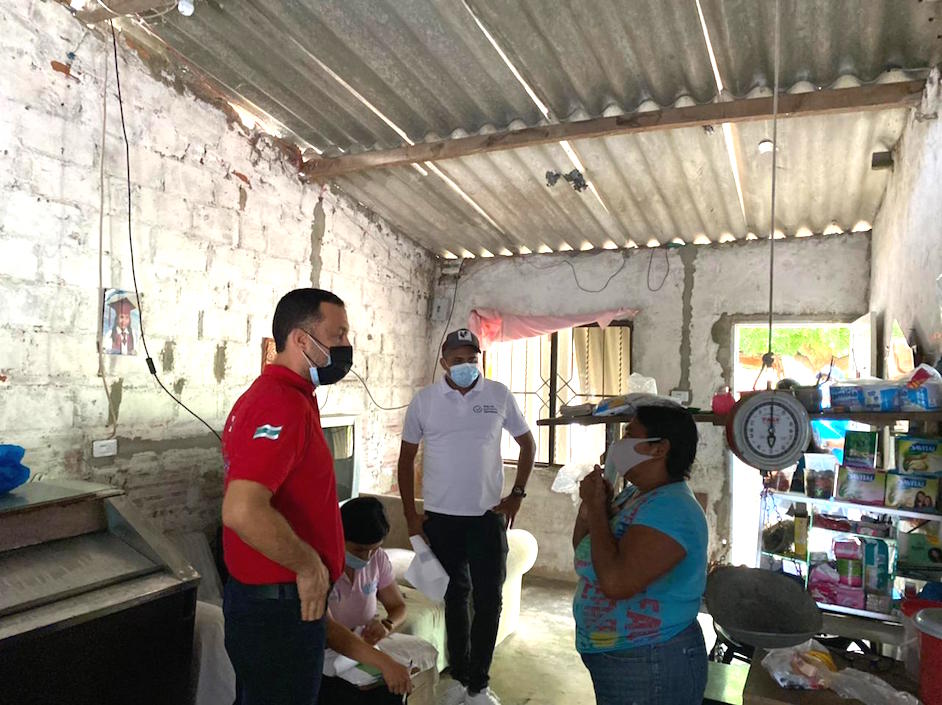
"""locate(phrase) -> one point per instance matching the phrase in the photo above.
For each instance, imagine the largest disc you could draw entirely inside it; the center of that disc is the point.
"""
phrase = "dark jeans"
(672, 673)
(473, 551)
(277, 658)
(337, 691)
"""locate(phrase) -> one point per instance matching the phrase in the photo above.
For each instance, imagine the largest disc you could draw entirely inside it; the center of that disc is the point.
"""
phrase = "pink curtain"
(492, 326)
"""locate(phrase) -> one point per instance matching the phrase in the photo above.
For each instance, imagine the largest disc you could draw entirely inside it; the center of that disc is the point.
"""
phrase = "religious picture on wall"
(268, 351)
(120, 323)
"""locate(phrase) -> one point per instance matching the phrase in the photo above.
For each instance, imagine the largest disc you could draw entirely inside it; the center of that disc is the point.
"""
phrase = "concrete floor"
(538, 664)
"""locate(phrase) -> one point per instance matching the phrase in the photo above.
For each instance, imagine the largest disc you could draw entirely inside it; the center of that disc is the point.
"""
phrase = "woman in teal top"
(641, 557)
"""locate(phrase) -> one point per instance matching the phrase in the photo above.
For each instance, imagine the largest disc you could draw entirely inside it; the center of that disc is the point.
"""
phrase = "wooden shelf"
(618, 418)
(888, 418)
(795, 498)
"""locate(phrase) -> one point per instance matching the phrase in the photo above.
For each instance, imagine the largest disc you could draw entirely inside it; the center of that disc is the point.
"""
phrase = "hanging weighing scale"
(769, 430)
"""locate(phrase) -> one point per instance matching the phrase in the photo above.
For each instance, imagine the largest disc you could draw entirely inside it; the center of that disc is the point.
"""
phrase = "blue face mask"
(464, 375)
(355, 562)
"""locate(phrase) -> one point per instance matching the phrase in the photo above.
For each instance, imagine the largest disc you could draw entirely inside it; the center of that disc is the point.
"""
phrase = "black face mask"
(339, 362)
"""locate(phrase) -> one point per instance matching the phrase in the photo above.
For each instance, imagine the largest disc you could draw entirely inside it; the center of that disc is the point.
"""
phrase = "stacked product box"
(918, 455)
(866, 396)
(859, 574)
(858, 577)
(928, 397)
(858, 480)
(915, 483)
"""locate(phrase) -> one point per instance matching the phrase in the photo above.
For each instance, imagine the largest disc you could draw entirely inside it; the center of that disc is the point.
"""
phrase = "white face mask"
(622, 456)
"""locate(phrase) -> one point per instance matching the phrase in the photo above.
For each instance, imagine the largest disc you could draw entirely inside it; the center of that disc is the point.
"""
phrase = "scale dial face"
(769, 430)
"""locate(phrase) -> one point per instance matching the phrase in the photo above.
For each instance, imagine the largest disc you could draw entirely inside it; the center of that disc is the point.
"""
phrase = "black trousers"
(473, 551)
(276, 657)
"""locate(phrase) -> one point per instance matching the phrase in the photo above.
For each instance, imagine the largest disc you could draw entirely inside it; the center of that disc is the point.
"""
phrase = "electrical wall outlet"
(105, 449)
(681, 395)
(440, 309)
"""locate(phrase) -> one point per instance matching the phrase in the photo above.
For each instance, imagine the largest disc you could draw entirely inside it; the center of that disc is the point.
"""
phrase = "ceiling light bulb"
(765, 146)
(185, 7)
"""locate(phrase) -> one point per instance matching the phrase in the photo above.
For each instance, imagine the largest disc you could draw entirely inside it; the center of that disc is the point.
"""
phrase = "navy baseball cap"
(460, 338)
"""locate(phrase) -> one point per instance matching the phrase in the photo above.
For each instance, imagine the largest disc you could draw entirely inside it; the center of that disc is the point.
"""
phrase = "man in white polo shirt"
(465, 521)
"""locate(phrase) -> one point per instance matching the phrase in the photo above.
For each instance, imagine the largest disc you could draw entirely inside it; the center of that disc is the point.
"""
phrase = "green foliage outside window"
(812, 343)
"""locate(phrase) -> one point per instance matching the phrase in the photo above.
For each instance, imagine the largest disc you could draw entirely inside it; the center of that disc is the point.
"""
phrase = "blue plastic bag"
(12, 472)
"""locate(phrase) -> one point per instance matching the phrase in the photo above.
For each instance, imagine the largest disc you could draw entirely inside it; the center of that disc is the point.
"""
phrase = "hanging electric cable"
(112, 417)
(127, 155)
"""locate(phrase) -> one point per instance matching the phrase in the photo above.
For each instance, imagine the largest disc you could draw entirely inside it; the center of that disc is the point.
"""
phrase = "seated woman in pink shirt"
(352, 606)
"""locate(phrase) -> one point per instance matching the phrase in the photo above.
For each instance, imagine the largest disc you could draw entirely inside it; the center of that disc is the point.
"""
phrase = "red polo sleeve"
(264, 443)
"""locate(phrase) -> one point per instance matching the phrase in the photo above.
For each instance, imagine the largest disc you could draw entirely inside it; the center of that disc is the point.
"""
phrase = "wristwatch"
(388, 623)
(518, 491)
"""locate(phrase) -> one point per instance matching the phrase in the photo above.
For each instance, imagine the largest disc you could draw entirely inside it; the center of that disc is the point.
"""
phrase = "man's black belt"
(271, 591)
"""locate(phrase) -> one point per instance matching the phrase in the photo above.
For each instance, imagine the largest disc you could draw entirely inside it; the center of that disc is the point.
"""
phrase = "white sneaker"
(455, 695)
(485, 697)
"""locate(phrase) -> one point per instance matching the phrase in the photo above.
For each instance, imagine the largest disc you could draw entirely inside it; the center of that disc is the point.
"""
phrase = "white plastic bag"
(789, 670)
(639, 384)
(924, 373)
(425, 572)
(568, 479)
(868, 689)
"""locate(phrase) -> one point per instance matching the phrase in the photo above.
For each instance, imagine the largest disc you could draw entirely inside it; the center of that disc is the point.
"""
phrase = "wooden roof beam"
(844, 100)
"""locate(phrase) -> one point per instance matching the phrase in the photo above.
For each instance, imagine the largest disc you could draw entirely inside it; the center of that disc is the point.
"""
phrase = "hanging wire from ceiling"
(112, 416)
(575, 275)
(768, 360)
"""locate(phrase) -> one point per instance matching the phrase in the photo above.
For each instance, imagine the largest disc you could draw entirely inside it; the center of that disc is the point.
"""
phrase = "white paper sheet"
(410, 651)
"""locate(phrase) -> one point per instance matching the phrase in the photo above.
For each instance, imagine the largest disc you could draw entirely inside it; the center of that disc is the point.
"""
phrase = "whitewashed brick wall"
(213, 254)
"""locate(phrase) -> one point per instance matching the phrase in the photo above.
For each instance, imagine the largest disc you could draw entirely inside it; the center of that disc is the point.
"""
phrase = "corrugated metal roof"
(429, 68)
(349, 75)
(657, 185)
(822, 40)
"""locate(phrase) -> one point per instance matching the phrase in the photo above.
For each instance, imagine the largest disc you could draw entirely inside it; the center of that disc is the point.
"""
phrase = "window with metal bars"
(571, 366)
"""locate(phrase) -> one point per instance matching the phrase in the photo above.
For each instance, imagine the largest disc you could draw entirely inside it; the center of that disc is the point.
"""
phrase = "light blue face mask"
(315, 378)
(355, 562)
(465, 374)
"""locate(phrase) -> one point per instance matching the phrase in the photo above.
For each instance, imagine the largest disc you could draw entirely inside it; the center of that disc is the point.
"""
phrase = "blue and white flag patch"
(268, 431)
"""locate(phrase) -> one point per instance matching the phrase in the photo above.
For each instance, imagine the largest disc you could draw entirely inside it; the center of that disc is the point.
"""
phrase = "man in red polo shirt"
(282, 535)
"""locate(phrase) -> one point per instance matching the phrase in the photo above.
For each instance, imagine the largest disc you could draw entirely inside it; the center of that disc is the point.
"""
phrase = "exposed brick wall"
(222, 228)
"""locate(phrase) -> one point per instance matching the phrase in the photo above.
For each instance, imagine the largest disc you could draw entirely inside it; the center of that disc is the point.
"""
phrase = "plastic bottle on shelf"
(723, 401)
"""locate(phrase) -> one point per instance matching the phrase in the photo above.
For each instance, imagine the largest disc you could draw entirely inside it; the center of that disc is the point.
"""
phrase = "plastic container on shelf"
(909, 607)
(819, 484)
(929, 623)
